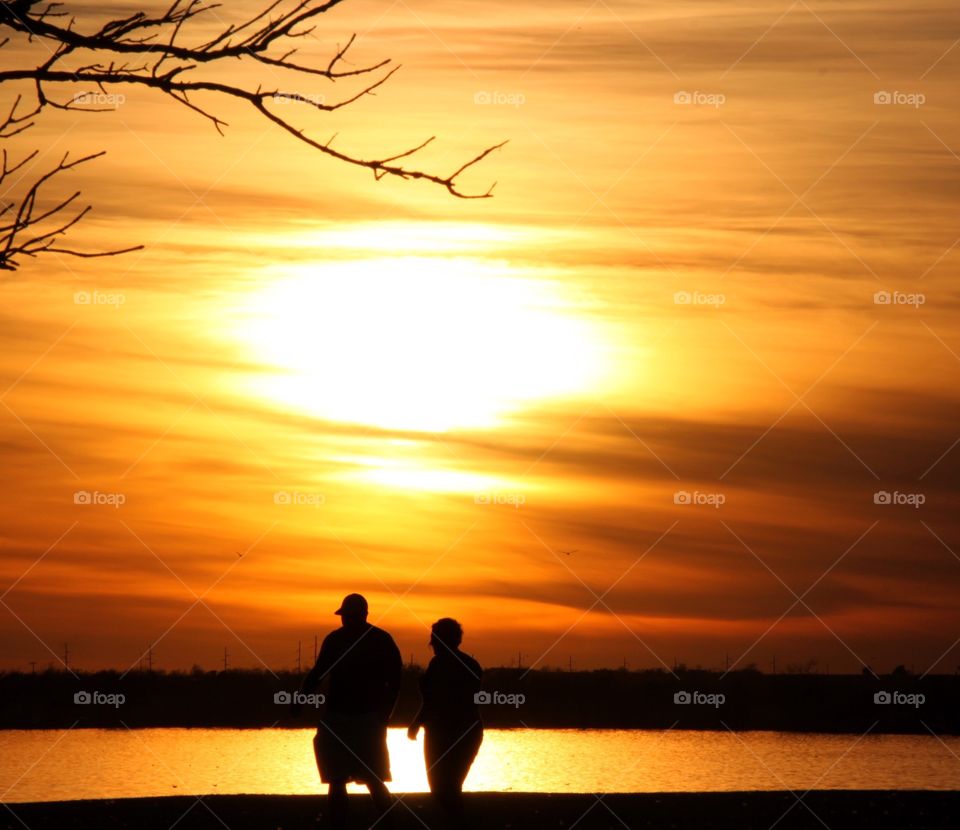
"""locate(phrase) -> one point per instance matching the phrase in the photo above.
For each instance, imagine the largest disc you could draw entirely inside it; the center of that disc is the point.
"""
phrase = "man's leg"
(336, 817)
(337, 802)
(383, 801)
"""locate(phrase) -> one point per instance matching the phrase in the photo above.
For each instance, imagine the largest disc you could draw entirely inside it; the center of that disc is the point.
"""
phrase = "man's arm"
(393, 675)
(316, 674)
(414, 728)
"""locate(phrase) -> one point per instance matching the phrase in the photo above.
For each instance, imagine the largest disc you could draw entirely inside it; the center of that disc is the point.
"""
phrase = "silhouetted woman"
(450, 717)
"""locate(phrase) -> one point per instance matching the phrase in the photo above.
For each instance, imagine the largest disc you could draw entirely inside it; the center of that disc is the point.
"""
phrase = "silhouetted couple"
(362, 666)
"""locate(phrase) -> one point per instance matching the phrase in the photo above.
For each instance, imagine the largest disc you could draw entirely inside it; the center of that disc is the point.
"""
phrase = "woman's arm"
(414, 728)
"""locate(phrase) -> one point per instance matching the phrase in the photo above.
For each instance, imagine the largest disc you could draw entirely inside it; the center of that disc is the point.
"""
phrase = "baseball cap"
(353, 604)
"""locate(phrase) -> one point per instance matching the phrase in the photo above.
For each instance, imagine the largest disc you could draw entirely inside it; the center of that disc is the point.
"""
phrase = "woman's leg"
(448, 758)
(383, 802)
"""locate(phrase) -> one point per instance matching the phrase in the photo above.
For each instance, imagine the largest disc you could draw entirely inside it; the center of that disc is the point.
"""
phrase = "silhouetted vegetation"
(517, 698)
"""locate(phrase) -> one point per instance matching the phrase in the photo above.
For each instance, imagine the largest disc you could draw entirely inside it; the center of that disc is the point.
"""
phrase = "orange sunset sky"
(310, 382)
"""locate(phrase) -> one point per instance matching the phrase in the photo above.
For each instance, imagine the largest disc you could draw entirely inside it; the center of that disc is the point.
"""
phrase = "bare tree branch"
(151, 51)
(159, 42)
(25, 229)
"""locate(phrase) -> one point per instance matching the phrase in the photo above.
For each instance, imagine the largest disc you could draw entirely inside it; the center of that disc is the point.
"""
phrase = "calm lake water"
(50, 765)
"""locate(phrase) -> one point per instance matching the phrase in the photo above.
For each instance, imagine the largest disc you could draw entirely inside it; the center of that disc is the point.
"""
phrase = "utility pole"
(298, 656)
(519, 659)
(33, 667)
(225, 656)
(570, 663)
(774, 663)
(66, 656)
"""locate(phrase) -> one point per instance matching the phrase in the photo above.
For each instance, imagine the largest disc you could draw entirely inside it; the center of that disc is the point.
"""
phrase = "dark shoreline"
(837, 810)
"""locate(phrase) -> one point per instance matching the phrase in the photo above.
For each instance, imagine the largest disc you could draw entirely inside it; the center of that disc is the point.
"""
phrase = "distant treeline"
(688, 699)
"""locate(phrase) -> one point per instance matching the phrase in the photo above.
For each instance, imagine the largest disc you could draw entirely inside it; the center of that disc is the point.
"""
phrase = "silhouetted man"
(363, 665)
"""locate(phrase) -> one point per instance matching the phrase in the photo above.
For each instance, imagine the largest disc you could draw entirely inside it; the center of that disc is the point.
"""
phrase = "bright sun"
(417, 343)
